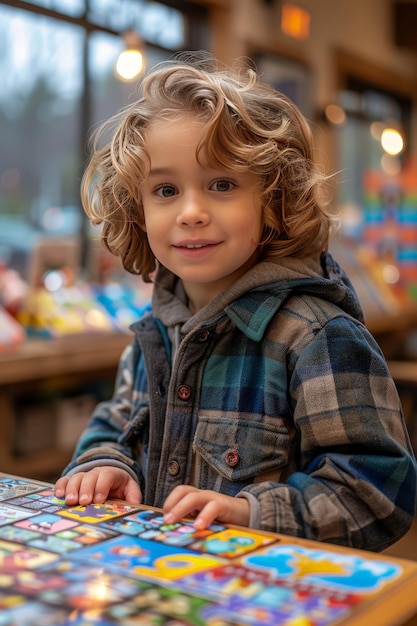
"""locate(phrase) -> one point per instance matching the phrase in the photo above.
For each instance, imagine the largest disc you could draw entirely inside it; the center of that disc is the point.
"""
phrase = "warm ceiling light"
(295, 21)
(129, 65)
(335, 114)
(392, 141)
(131, 61)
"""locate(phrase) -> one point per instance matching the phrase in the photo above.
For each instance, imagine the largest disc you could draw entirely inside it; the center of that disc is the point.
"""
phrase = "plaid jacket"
(277, 393)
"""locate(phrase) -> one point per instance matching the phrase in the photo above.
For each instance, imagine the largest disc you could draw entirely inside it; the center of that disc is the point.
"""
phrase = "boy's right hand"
(97, 485)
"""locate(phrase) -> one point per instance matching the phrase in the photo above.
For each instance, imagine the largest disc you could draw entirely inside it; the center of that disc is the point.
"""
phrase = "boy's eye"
(223, 184)
(166, 191)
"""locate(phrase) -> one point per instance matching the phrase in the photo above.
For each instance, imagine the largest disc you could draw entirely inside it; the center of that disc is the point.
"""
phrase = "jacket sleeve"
(105, 440)
(356, 483)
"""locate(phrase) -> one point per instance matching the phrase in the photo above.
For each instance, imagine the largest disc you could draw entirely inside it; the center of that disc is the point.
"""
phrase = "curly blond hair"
(249, 126)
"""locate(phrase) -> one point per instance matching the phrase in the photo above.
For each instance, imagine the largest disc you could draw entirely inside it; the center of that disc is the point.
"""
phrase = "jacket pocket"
(240, 450)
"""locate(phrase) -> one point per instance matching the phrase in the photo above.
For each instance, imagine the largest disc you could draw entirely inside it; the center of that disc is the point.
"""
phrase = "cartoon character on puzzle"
(154, 519)
(20, 535)
(84, 535)
(96, 513)
(47, 524)
(150, 525)
(46, 494)
(12, 487)
(254, 597)
(35, 504)
(162, 606)
(47, 497)
(230, 543)
(179, 534)
(146, 559)
(273, 605)
(226, 580)
(150, 519)
(34, 582)
(87, 535)
(125, 525)
(14, 557)
(30, 612)
(341, 572)
(10, 514)
(86, 587)
(54, 543)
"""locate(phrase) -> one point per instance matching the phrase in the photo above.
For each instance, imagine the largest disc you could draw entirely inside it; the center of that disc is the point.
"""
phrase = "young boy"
(252, 392)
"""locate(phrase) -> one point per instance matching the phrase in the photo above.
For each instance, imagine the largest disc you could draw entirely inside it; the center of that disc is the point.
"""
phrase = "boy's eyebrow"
(157, 171)
(169, 171)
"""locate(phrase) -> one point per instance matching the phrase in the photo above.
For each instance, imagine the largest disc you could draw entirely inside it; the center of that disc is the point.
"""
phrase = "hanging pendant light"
(131, 61)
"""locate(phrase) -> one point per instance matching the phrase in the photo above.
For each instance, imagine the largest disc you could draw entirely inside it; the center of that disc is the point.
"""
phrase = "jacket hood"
(254, 299)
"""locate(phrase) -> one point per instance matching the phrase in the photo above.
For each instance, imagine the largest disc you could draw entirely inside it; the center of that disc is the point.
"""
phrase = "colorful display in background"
(116, 563)
(389, 227)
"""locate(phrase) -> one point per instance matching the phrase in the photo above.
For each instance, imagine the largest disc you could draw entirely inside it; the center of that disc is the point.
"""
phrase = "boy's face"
(202, 224)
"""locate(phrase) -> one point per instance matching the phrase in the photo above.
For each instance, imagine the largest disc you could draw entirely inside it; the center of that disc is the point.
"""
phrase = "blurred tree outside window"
(57, 60)
(39, 112)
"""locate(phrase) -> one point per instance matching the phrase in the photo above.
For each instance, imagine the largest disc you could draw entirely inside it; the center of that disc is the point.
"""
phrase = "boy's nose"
(193, 212)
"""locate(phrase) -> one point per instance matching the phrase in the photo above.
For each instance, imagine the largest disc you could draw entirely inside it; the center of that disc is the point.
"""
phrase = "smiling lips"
(195, 245)
(196, 249)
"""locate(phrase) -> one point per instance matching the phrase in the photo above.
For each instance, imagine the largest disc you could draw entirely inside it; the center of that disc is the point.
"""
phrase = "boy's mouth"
(194, 245)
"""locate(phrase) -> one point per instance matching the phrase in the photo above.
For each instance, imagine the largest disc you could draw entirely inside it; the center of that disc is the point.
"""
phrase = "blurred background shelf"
(40, 358)
(47, 391)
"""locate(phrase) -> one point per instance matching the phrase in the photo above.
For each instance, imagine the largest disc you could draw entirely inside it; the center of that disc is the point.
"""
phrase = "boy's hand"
(206, 505)
(97, 485)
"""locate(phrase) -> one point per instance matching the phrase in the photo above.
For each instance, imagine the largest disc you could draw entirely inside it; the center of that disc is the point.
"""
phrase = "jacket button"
(183, 392)
(232, 458)
(173, 468)
(203, 335)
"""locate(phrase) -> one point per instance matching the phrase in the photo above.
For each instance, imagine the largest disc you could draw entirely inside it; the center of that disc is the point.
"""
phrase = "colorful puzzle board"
(120, 564)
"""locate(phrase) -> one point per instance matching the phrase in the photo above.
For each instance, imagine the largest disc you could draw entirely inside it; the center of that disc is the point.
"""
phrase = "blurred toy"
(83, 308)
(125, 303)
(12, 334)
(64, 311)
(13, 289)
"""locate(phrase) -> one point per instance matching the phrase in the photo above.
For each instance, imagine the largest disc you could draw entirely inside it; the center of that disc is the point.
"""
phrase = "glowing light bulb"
(391, 141)
(391, 274)
(129, 64)
(335, 114)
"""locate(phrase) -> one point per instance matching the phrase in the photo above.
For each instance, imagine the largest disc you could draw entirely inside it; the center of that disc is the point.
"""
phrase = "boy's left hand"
(207, 506)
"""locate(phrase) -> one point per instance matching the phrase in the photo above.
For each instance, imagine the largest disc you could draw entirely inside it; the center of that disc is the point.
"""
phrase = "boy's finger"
(190, 503)
(60, 486)
(207, 515)
(87, 488)
(133, 493)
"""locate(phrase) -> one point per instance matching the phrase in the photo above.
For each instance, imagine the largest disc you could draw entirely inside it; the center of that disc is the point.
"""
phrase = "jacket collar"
(255, 298)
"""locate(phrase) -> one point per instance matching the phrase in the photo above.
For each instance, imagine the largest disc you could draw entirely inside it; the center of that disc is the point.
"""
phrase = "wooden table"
(118, 564)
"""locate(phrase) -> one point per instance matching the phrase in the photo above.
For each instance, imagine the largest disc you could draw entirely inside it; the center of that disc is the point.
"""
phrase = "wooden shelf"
(394, 323)
(73, 358)
(41, 358)
(404, 372)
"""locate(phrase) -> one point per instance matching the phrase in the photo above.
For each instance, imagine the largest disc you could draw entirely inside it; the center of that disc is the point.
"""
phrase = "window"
(57, 65)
